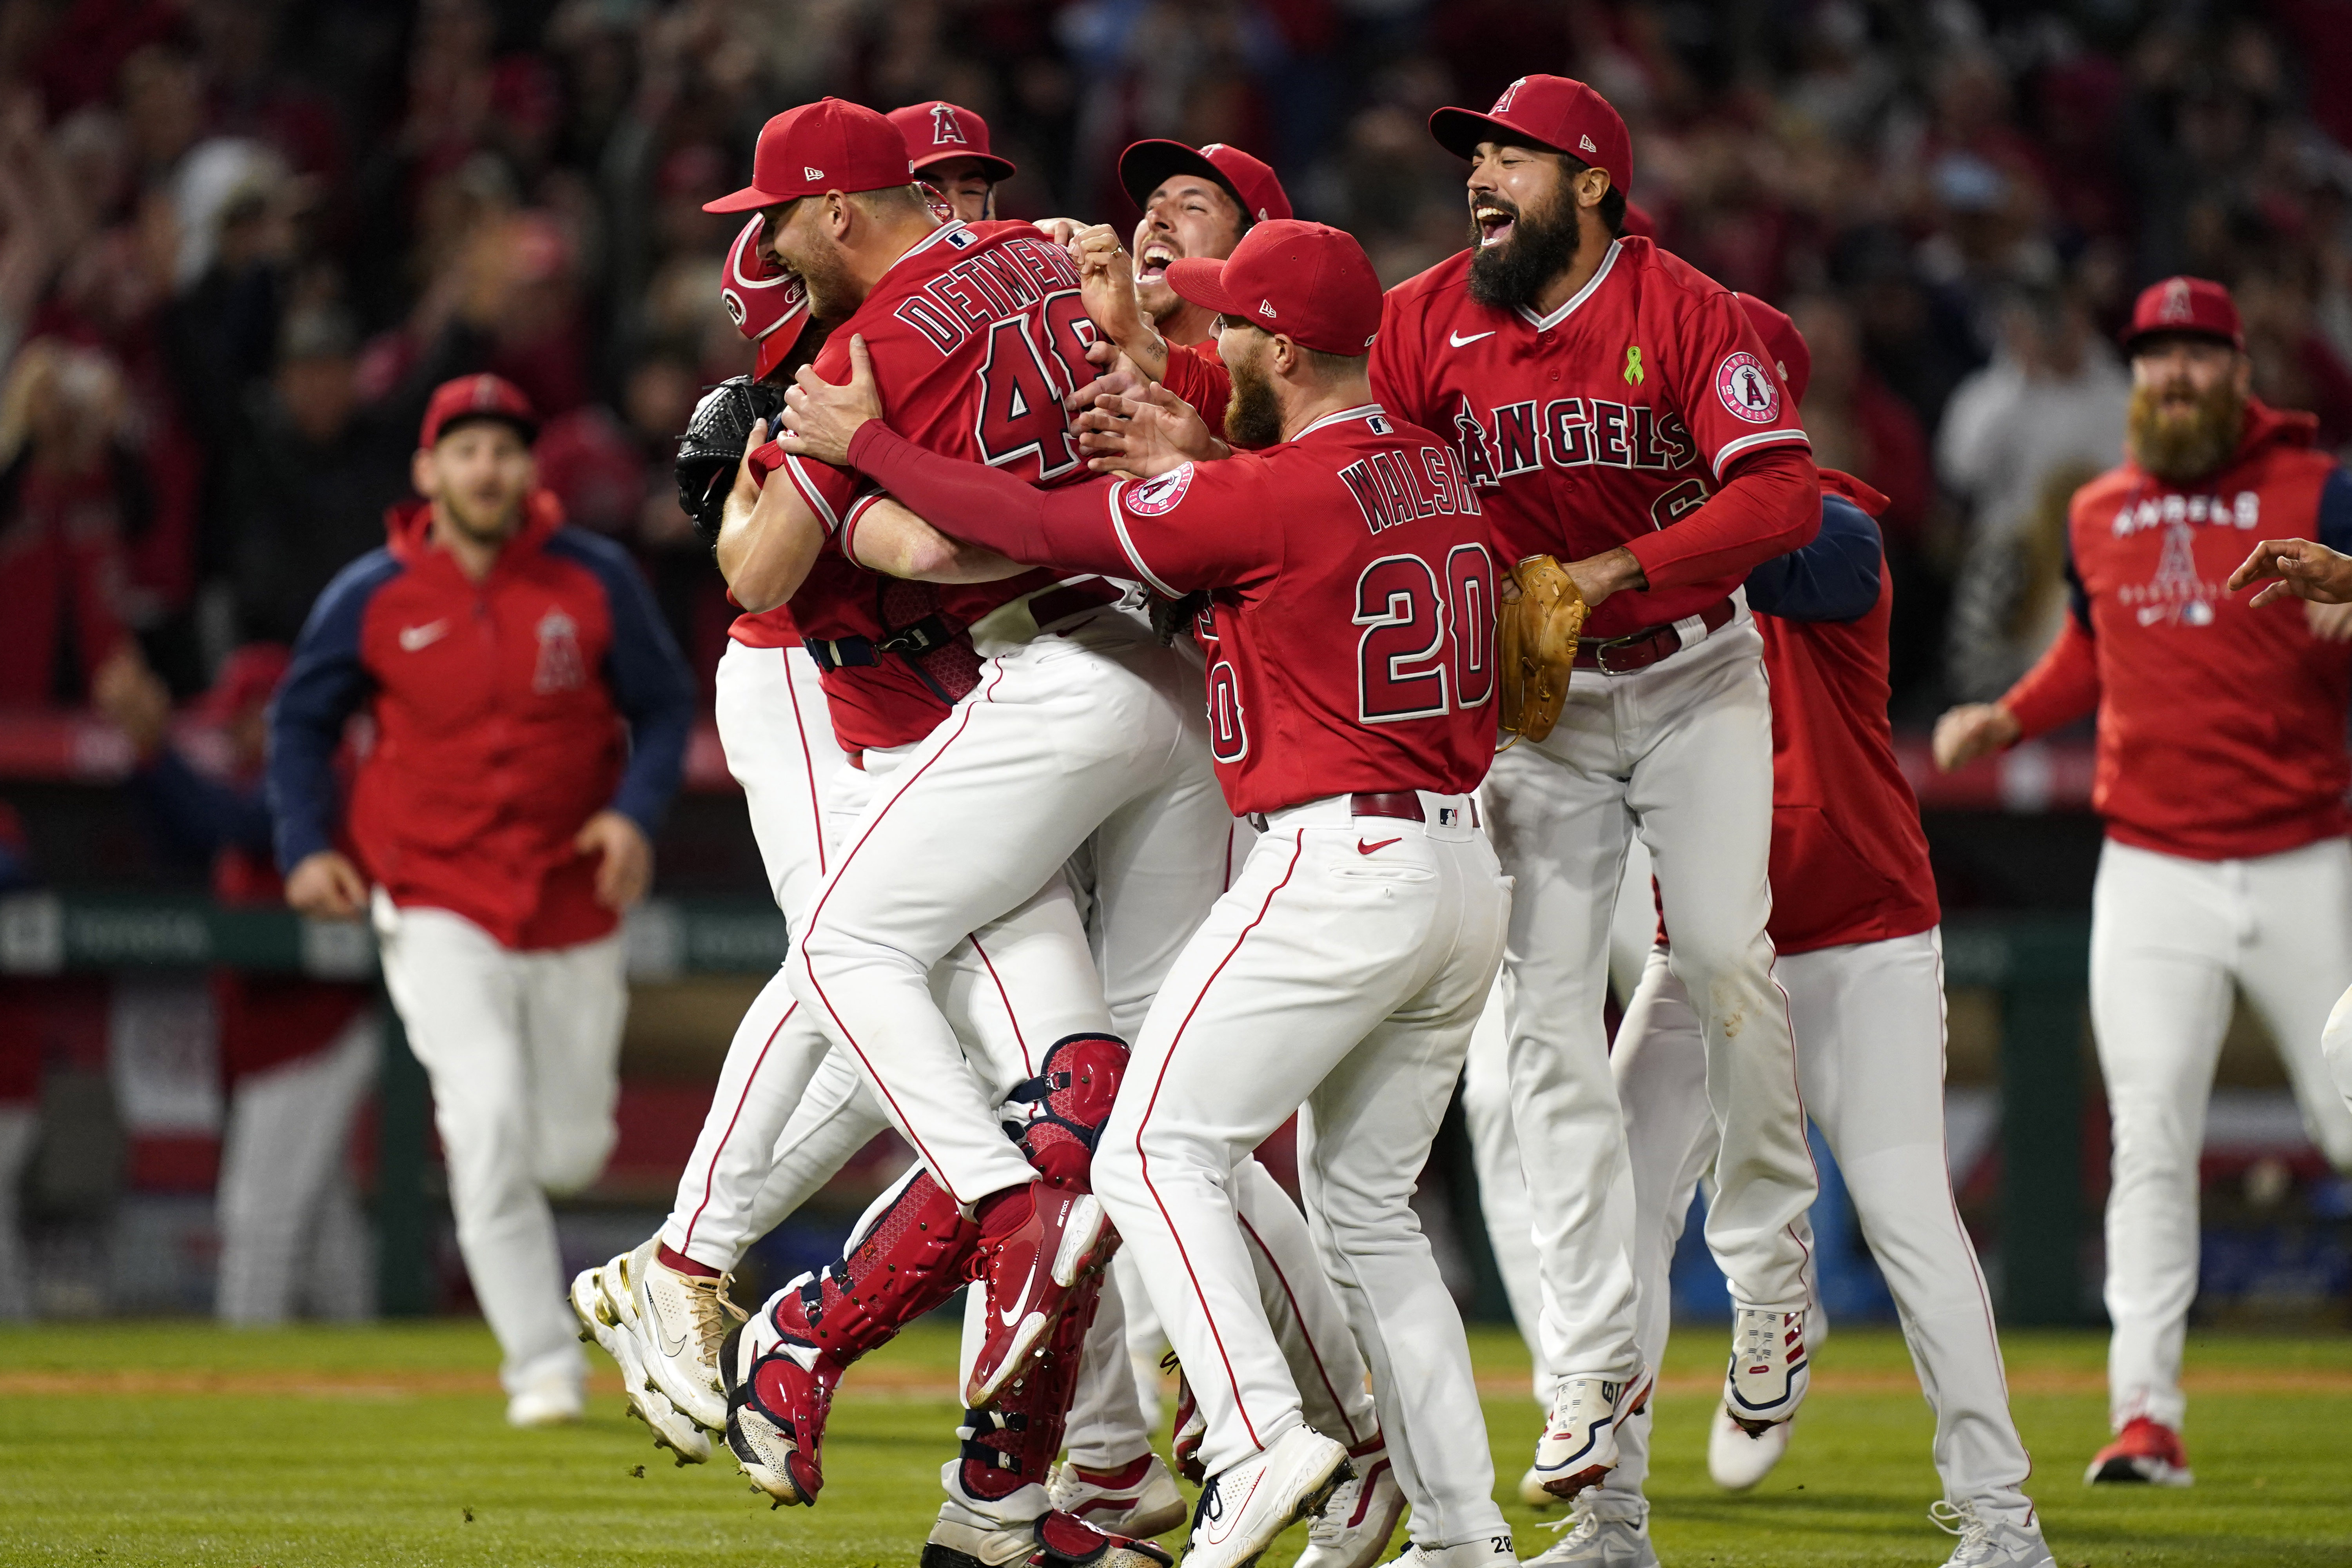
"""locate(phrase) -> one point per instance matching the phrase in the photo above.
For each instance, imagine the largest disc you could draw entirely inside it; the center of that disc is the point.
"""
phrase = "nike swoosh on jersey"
(1364, 848)
(1459, 342)
(414, 638)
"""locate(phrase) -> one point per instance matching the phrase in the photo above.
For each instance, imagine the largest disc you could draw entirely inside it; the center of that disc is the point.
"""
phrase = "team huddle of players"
(1116, 705)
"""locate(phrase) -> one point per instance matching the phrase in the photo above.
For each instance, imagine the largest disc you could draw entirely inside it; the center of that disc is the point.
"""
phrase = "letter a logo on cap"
(1503, 104)
(944, 128)
(2176, 307)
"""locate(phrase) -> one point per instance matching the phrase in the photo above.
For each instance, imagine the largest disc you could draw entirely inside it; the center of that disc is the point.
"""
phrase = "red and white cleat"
(1579, 1444)
(1139, 1499)
(1029, 1270)
(1354, 1527)
(2145, 1452)
(1769, 1369)
(779, 1391)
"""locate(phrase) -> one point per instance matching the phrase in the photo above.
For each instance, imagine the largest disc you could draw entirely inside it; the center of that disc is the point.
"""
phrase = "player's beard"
(1253, 414)
(2181, 446)
(1542, 246)
(484, 524)
(833, 293)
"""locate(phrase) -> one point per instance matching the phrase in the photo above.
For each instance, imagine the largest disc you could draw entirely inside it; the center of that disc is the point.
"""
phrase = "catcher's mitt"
(1537, 635)
(712, 447)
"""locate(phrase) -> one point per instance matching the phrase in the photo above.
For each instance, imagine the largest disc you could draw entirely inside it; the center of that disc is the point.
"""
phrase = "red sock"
(998, 1212)
(678, 1261)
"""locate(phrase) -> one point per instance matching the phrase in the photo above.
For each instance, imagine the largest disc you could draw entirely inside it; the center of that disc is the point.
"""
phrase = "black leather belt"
(859, 653)
(1639, 650)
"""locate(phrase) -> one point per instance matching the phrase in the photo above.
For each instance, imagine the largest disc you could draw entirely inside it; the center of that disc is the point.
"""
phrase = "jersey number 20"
(1428, 644)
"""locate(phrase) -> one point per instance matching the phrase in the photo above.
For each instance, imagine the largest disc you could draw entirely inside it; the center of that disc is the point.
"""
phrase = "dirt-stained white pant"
(1681, 755)
(1341, 984)
(522, 1049)
(1870, 1050)
(2169, 937)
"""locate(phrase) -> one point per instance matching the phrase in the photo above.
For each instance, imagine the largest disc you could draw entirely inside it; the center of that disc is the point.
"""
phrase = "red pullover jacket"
(506, 712)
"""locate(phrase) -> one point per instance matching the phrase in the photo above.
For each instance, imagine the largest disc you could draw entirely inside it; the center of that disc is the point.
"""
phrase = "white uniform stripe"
(1731, 449)
(810, 494)
(1118, 526)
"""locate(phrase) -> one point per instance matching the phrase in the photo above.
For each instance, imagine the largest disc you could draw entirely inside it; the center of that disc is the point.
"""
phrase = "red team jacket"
(1358, 534)
(1607, 423)
(2220, 728)
(507, 713)
(976, 335)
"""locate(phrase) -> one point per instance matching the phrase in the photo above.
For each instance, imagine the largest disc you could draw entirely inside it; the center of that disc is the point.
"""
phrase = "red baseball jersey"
(2220, 726)
(1600, 424)
(1351, 626)
(976, 335)
(1849, 859)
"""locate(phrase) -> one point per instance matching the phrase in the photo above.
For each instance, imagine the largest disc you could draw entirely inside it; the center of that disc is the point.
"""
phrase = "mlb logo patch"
(1449, 816)
(1380, 424)
(962, 238)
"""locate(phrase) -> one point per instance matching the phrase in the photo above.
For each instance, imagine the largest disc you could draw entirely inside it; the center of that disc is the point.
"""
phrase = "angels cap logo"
(1747, 389)
(2176, 306)
(1503, 104)
(944, 128)
(1584, 144)
(1154, 497)
(1265, 309)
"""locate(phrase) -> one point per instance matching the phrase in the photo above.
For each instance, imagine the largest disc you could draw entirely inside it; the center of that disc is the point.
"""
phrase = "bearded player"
(1346, 966)
(2222, 773)
(1855, 922)
(1613, 407)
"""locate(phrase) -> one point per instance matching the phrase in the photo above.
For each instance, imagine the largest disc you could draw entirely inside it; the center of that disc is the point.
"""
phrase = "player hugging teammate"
(1128, 640)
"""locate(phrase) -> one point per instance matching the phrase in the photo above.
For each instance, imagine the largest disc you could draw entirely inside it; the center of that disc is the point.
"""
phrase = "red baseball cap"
(767, 304)
(1307, 279)
(2196, 306)
(828, 145)
(1782, 341)
(472, 397)
(939, 130)
(1553, 111)
(1249, 181)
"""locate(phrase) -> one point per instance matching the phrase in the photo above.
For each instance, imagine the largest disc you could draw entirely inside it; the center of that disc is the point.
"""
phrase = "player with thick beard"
(2222, 773)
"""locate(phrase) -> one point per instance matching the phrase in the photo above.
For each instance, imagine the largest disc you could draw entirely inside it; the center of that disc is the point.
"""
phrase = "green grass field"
(184, 1443)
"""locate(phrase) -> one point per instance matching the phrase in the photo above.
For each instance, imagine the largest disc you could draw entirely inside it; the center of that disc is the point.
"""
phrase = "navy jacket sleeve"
(198, 817)
(2335, 529)
(324, 686)
(1832, 578)
(650, 683)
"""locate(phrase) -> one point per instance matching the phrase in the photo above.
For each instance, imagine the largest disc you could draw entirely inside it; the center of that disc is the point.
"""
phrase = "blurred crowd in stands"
(240, 238)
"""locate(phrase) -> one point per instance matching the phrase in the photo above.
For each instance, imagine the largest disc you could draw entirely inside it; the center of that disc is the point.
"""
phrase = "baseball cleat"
(680, 1320)
(975, 1532)
(2009, 1537)
(1246, 1505)
(1354, 1527)
(1593, 1542)
(779, 1390)
(1531, 1490)
(601, 1314)
(1139, 1499)
(2144, 1451)
(1579, 1444)
(1487, 1552)
(1769, 1370)
(1738, 1458)
(556, 1399)
(1029, 1272)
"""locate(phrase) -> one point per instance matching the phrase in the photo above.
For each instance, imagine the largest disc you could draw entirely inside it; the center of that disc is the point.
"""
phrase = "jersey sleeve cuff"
(857, 511)
(1731, 451)
(1126, 543)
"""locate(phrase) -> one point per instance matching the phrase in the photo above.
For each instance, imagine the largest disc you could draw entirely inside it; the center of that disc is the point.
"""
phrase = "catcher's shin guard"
(1014, 1443)
(912, 1258)
(1071, 1099)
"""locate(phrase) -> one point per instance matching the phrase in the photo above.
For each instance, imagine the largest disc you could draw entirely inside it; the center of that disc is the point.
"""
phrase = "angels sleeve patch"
(1748, 388)
(1157, 497)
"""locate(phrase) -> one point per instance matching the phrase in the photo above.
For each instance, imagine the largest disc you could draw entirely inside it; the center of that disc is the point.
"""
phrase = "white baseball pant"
(1486, 1111)
(2336, 1045)
(1095, 732)
(1681, 755)
(522, 1049)
(2168, 936)
(1012, 987)
(1343, 987)
(284, 1190)
(1870, 1052)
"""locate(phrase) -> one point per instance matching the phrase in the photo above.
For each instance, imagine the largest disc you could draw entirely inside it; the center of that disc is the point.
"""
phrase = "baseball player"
(530, 719)
(1615, 408)
(2226, 856)
(1854, 922)
(947, 147)
(1343, 971)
